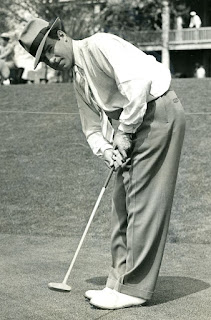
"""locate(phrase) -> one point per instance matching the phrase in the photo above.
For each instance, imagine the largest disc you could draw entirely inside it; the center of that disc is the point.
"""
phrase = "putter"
(63, 286)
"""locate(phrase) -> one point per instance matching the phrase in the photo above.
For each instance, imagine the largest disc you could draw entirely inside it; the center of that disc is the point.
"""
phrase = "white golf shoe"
(116, 300)
(95, 293)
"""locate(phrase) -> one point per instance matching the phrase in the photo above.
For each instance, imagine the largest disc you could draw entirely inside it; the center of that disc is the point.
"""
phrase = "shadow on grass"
(173, 288)
(168, 288)
(98, 281)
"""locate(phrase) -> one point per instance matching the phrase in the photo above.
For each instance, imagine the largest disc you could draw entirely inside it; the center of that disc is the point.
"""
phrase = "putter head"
(59, 286)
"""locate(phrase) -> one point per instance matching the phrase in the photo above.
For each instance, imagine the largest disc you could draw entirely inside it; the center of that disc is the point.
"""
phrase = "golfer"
(115, 80)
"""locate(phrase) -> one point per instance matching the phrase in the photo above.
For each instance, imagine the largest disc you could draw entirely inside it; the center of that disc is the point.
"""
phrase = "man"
(6, 56)
(195, 20)
(200, 72)
(115, 80)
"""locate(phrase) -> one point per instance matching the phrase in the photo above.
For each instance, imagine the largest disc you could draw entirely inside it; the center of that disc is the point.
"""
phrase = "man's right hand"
(113, 158)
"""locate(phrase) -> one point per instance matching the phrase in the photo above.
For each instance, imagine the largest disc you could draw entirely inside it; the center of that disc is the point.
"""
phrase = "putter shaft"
(64, 283)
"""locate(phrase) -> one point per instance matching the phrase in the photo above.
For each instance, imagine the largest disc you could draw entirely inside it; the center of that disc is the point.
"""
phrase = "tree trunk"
(165, 33)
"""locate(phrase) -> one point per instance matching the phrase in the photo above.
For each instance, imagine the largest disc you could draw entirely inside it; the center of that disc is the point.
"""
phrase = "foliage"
(139, 14)
(121, 14)
(77, 18)
(80, 20)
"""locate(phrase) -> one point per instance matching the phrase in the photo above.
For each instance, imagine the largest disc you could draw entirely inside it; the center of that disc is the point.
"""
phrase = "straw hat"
(34, 36)
(5, 35)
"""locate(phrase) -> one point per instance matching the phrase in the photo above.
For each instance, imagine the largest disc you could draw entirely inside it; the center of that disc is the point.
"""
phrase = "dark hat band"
(35, 44)
(5, 38)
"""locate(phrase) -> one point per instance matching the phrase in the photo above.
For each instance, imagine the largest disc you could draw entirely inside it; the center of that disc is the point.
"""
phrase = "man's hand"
(118, 156)
(113, 158)
(123, 143)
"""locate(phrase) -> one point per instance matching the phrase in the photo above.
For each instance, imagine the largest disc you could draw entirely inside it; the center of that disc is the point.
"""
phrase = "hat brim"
(5, 35)
(56, 25)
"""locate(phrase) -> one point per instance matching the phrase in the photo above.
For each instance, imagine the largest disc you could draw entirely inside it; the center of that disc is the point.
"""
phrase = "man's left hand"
(123, 142)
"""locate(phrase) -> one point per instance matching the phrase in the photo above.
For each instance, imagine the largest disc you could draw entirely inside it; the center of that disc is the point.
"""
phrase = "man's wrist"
(127, 134)
(106, 147)
(126, 129)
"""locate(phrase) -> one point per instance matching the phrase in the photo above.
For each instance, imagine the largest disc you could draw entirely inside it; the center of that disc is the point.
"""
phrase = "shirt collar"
(77, 54)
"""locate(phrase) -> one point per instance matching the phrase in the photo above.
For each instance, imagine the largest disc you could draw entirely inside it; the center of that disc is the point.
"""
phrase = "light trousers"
(143, 196)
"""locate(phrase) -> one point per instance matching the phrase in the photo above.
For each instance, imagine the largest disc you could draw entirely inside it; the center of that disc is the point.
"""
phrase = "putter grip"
(108, 178)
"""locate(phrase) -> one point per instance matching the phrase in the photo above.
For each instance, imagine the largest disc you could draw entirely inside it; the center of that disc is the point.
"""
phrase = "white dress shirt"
(195, 22)
(120, 77)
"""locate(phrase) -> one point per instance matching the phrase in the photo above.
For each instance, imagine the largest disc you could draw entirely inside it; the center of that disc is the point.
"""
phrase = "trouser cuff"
(132, 291)
(129, 290)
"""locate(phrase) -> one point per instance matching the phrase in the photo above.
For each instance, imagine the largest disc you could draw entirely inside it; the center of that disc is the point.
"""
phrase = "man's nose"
(52, 59)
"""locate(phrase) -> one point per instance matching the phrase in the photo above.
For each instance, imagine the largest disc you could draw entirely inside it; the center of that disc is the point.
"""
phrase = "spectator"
(179, 23)
(179, 27)
(195, 21)
(7, 50)
(200, 72)
(4, 72)
(6, 56)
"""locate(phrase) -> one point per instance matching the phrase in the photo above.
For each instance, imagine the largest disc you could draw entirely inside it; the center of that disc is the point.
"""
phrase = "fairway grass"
(50, 180)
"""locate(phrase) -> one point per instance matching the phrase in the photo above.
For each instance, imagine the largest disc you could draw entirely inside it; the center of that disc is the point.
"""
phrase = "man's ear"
(61, 35)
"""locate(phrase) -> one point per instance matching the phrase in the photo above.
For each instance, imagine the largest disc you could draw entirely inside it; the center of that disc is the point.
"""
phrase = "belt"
(170, 89)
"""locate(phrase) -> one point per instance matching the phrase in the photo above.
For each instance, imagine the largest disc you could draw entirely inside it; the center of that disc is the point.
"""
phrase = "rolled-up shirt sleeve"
(133, 112)
(91, 127)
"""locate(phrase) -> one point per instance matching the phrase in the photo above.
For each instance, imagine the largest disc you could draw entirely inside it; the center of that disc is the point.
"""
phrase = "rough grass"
(50, 180)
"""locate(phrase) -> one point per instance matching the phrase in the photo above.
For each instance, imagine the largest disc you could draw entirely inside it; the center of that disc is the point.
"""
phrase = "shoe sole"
(129, 306)
(89, 298)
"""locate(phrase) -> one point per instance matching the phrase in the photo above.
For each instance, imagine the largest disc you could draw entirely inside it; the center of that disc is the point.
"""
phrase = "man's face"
(58, 54)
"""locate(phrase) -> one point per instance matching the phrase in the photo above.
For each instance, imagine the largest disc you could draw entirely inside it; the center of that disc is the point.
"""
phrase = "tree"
(138, 14)
(78, 19)
(134, 15)
(165, 32)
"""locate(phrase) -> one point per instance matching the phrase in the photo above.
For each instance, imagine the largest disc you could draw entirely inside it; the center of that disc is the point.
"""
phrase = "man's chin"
(63, 67)
(58, 68)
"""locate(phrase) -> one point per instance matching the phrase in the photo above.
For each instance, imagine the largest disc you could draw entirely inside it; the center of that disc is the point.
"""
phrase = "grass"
(50, 180)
